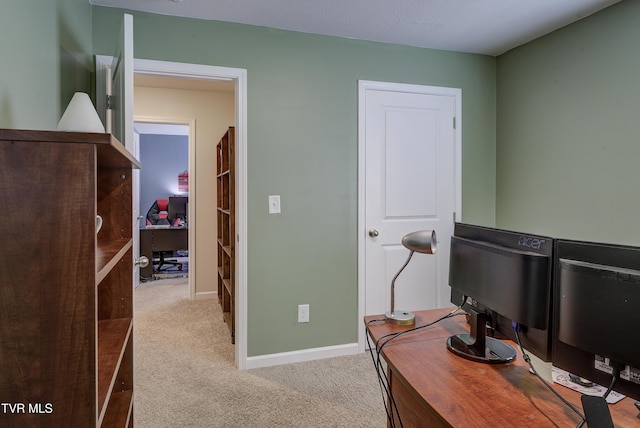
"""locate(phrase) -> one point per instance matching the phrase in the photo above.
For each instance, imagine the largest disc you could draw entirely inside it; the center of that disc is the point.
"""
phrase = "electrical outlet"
(303, 313)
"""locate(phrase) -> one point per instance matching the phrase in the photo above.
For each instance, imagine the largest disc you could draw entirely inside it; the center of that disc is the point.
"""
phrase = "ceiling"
(489, 27)
(181, 83)
(184, 83)
(143, 128)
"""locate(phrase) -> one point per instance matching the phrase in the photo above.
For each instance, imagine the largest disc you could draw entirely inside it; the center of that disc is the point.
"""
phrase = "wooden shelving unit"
(66, 292)
(226, 227)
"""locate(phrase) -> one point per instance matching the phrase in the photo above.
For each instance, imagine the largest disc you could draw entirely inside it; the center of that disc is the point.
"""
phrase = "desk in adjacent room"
(435, 388)
(161, 239)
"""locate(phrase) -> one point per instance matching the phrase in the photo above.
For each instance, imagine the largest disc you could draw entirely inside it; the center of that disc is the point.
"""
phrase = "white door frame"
(239, 76)
(363, 87)
(135, 203)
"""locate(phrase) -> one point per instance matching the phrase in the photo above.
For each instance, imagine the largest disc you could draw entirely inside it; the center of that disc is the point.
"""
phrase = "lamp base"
(400, 317)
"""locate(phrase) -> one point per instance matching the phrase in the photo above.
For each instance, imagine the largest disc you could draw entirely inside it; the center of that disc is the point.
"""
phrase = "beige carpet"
(185, 374)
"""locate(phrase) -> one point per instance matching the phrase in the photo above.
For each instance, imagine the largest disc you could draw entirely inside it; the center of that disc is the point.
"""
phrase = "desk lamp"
(80, 115)
(423, 241)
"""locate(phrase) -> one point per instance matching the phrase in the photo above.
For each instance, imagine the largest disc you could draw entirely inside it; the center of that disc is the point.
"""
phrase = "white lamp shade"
(80, 115)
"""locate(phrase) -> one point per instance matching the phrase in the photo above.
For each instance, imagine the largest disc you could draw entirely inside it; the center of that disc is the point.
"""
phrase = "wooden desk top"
(156, 229)
(470, 394)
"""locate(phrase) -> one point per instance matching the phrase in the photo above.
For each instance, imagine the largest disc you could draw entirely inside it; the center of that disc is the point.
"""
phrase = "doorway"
(164, 152)
(193, 75)
(125, 68)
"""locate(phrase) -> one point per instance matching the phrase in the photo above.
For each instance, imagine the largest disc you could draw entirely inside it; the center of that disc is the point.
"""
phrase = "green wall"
(569, 130)
(302, 145)
(46, 56)
(302, 138)
(564, 164)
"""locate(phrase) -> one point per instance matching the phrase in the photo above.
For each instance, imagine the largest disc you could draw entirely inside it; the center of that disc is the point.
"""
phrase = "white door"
(116, 75)
(409, 156)
(122, 85)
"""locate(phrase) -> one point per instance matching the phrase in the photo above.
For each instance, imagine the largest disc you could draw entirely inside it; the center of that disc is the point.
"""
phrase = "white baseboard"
(301, 355)
(203, 295)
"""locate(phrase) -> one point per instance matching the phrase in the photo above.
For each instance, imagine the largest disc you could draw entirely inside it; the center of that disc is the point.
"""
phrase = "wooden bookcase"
(226, 227)
(66, 292)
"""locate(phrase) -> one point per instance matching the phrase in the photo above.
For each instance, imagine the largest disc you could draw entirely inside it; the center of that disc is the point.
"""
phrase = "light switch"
(274, 204)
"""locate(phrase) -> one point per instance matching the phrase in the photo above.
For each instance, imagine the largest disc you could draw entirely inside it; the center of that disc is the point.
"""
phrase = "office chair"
(158, 215)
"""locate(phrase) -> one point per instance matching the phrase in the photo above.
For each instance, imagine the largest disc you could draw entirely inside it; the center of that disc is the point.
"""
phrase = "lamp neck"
(393, 281)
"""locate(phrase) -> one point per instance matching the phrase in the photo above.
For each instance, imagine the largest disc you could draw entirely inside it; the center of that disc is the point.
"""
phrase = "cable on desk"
(382, 377)
(617, 368)
(383, 381)
(393, 336)
(527, 359)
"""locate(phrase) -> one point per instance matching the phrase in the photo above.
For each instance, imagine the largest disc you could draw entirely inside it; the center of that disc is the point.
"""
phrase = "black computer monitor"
(597, 312)
(506, 278)
(178, 207)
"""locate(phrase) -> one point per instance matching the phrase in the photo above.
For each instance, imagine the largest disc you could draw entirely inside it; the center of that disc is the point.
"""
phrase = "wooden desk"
(153, 240)
(435, 388)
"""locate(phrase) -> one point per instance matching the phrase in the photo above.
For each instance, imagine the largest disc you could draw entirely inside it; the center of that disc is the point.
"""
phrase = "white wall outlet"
(274, 204)
(303, 313)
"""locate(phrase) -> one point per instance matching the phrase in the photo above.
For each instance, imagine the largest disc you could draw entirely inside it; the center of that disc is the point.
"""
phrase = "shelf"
(119, 410)
(227, 318)
(227, 285)
(225, 217)
(114, 155)
(68, 329)
(113, 335)
(108, 254)
(226, 248)
(111, 153)
(221, 274)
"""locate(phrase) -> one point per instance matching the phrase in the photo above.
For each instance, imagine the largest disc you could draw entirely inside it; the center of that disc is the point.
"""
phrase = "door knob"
(373, 233)
(143, 262)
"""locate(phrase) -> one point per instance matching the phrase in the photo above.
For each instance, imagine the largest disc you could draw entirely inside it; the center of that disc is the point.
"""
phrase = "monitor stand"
(476, 346)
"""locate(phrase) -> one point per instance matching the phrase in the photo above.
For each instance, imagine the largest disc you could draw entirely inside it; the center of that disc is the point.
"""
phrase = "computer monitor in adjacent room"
(597, 313)
(506, 277)
(178, 207)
